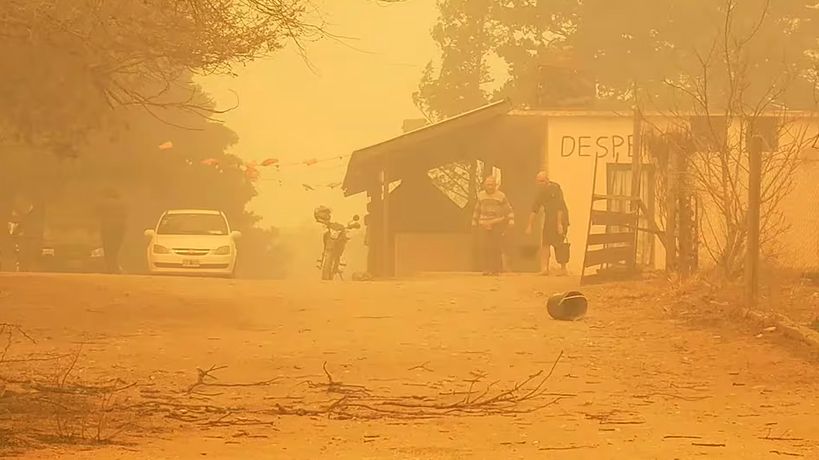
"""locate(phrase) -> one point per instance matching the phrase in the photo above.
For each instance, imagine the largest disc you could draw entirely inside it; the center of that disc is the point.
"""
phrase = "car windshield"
(193, 224)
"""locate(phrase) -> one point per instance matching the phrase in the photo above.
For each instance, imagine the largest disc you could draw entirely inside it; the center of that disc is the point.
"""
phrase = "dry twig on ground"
(362, 404)
(10, 330)
(205, 378)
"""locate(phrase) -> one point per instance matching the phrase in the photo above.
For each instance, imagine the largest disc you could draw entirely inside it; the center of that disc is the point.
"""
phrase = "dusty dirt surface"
(636, 379)
(799, 301)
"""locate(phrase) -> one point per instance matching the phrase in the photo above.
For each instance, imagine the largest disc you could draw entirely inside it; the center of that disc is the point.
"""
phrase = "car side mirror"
(150, 233)
(356, 218)
(236, 234)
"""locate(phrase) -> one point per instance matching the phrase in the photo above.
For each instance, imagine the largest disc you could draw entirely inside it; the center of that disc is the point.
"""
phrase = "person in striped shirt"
(492, 217)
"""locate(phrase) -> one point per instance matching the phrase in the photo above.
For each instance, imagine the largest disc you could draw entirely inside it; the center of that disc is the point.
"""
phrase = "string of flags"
(251, 169)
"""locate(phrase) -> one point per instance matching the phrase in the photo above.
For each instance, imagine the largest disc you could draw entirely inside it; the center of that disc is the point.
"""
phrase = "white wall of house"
(575, 139)
(798, 245)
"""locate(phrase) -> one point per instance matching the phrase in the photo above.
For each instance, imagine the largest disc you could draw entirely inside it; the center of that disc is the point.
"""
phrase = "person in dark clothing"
(555, 219)
(113, 219)
(27, 218)
(493, 216)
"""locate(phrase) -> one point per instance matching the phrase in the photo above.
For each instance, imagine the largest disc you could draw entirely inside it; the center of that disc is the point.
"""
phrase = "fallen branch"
(572, 447)
(365, 406)
(708, 444)
(10, 330)
(669, 395)
(790, 454)
(337, 387)
(204, 375)
(422, 366)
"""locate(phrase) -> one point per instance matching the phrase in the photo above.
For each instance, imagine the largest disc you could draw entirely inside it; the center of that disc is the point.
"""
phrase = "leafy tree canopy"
(677, 52)
(67, 61)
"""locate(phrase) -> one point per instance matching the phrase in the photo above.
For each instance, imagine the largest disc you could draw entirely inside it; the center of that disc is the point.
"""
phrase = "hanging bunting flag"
(166, 145)
(307, 187)
(210, 162)
(252, 174)
(334, 185)
(310, 162)
(270, 162)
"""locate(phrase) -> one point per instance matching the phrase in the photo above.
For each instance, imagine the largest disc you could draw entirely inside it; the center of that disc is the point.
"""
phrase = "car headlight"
(98, 253)
(159, 249)
(222, 251)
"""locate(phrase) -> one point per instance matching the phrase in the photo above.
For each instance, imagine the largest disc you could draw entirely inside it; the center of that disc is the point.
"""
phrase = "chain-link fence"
(797, 247)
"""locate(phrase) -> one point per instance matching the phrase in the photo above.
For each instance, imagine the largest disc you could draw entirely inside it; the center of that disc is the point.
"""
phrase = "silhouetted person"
(113, 217)
(492, 217)
(27, 219)
(555, 219)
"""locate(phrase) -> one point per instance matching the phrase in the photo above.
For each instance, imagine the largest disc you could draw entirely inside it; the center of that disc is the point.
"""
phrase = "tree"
(734, 91)
(455, 85)
(530, 37)
(632, 42)
(195, 173)
(651, 46)
(73, 60)
(108, 78)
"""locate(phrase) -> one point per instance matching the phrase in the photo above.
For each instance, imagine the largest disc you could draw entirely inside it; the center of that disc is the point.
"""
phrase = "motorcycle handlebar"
(350, 226)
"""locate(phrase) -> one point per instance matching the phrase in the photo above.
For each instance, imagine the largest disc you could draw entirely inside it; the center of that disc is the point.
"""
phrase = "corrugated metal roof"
(364, 162)
(354, 182)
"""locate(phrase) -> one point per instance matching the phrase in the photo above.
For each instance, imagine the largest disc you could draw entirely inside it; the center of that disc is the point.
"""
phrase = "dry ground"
(640, 377)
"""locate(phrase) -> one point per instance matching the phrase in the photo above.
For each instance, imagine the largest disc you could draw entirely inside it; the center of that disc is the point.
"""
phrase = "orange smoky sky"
(346, 93)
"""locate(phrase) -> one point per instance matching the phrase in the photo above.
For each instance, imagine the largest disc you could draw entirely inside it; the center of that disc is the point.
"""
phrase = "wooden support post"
(672, 202)
(372, 222)
(386, 247)
(636, 175)
(636, 159)
(754, 205)
(686, 219)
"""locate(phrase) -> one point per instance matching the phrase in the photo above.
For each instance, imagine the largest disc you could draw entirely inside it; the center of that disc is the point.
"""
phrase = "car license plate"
(190, 263)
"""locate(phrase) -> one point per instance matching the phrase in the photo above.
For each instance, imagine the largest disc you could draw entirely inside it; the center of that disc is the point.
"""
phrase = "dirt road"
(633, 382)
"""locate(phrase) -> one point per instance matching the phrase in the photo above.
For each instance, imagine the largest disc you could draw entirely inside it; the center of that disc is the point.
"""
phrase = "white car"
(192, 242)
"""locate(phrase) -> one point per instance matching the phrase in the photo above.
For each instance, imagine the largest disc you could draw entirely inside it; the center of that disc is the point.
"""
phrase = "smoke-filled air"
(409, 229)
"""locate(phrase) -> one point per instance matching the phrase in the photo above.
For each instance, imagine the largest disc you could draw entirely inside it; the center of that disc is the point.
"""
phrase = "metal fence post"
(753, 216)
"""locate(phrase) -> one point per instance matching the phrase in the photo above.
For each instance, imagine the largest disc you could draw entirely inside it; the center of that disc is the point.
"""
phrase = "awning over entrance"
(416, 149)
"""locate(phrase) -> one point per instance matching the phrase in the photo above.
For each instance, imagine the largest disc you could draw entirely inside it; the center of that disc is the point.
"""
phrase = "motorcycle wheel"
(328, 266)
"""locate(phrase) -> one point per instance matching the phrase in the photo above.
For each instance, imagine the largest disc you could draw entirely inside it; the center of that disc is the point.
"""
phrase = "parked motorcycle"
(335, 240)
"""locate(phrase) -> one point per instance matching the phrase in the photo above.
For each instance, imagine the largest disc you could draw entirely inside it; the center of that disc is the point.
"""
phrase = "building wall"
(798, 245)
(429, 231)
(573, 142)
(568, 143)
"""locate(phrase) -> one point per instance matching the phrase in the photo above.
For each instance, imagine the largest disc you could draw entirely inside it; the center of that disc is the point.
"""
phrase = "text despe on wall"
(612, 146)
